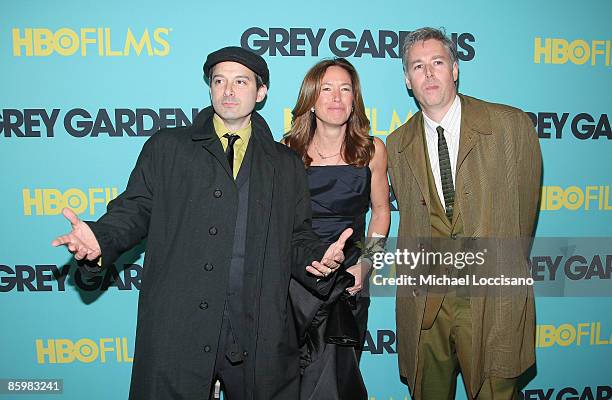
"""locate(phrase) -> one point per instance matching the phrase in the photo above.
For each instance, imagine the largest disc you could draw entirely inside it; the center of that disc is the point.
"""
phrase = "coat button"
(208, 267)
(454, 236)
(207, 349)
(245, 353)
(203, 305)
(416, 292)
(421, 247)
(423, 202)
(217, 193)
(212, 231)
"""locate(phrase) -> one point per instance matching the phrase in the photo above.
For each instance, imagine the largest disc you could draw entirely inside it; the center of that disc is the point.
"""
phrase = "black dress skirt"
(332, 329)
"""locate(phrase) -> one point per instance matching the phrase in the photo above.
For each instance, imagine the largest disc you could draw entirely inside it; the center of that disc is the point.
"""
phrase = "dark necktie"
(445, 174)
(229, 151)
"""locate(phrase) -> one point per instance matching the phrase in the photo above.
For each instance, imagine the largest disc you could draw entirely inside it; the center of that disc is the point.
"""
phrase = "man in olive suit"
(462, 167)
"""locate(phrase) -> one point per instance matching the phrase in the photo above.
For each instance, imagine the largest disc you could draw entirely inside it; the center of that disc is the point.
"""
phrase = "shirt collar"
(447, 120)
(220, 129)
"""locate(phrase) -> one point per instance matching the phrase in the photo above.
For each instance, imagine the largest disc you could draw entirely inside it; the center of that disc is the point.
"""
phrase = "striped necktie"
(446, 174)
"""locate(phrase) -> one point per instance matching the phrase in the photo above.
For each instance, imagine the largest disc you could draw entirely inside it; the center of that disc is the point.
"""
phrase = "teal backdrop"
(84, 84)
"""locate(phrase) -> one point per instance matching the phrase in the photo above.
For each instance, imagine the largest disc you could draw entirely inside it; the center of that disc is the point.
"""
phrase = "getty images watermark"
(551, 267)
(445, 261)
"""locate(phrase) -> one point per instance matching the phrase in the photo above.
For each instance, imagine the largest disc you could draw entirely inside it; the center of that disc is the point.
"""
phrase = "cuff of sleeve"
(105, 240)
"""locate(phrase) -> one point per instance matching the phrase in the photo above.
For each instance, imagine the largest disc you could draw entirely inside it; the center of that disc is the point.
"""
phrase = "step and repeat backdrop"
(84, 84)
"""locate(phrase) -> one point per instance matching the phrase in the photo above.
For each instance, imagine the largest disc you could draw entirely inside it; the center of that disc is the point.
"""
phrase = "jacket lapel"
(204, 132)
(475, 123)
(412, 148)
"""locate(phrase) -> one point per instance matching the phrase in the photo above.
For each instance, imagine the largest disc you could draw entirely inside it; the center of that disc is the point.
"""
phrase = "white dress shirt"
(451, 122)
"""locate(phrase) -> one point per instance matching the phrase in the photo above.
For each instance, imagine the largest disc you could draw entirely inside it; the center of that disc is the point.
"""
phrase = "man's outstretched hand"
(332, 258)
(80, 241)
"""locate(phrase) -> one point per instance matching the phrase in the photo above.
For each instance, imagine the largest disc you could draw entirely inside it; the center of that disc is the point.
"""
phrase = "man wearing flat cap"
(226, 213)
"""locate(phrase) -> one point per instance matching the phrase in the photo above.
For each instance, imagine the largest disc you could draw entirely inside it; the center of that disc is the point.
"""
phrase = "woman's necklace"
(321, 155)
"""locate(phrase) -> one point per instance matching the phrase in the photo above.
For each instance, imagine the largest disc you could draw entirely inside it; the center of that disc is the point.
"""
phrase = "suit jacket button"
(454, 236)
(423, 202)
(203, 305)
(245, 353)
(217, 193)
(208, 267)
(416, 292)
(207, 349)
(421, 247)
(212, 231)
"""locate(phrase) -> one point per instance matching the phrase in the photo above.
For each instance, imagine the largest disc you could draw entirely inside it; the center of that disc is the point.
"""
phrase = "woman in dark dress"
(347, 173)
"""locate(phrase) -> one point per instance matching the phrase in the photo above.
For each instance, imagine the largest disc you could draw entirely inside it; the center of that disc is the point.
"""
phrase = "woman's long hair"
(358, 148)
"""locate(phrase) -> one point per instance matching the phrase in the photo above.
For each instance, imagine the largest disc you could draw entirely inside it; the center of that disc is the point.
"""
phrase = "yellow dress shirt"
(240, 146)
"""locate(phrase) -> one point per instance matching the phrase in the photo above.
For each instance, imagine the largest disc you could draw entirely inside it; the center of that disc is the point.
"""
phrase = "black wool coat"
(181, 196)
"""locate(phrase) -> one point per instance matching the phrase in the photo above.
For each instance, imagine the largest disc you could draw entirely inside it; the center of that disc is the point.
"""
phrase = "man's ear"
(261, 93)
(408, 81)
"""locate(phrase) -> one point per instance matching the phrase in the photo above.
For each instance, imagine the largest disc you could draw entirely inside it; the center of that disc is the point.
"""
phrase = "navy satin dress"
(340, 198)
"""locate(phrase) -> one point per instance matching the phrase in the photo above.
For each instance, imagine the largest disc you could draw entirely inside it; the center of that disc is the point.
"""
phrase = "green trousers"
(445, 350)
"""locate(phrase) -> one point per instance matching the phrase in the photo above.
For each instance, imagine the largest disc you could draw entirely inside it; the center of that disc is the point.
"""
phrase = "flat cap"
(252, 61)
